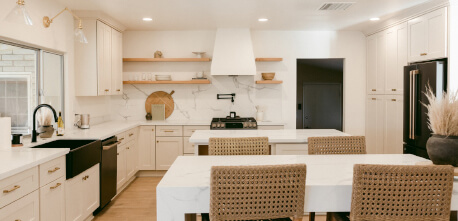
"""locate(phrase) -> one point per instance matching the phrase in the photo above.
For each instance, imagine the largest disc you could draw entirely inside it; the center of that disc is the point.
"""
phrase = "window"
(23, 85)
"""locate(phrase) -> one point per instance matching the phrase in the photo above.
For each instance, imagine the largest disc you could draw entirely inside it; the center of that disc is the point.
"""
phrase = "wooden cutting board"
(161, 97)
(427, 163)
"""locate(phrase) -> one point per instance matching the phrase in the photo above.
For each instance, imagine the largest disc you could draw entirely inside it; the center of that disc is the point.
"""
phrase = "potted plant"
(442, 146)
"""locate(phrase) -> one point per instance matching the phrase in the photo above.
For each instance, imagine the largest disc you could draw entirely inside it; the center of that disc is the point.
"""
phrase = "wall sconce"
(79, 34)
(19, 14)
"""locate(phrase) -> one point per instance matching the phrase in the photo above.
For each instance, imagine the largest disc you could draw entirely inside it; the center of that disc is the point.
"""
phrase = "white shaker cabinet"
(82, 194)
(147, 148)
(26, 208)
(131, 159)
(52, 201)
(168, 148)
(428, 36)
(393, 143)
(98, 64)
(375, 115)
(121, 176)
(396, 59)
(376, 63)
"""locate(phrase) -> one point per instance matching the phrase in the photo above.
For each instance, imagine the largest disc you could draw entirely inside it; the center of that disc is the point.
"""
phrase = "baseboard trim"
(151, 173)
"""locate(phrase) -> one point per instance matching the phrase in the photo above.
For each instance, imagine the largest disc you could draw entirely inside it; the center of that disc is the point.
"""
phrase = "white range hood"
(233, 53)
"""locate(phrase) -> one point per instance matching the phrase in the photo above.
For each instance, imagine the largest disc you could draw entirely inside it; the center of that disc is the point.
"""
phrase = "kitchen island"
(282, 142)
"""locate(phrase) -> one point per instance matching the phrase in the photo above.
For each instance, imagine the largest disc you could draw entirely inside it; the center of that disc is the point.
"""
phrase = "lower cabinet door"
(131, 159)
(122, 173)
(74, 198)
(52, 201)
(26, 208)
(91, 190)
(167, 150)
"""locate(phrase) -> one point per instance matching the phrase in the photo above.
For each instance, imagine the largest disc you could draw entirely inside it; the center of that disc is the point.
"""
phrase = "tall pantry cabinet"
(386, 58)
(98, 64)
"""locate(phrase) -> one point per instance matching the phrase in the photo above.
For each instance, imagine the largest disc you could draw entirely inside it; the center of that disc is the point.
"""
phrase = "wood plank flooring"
(138, 202)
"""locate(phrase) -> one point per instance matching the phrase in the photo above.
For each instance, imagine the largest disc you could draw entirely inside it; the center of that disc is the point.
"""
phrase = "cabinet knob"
(157, 141)
(152, 129)
(423, 54)
(128, 148)
(117, 154)
(374, 90)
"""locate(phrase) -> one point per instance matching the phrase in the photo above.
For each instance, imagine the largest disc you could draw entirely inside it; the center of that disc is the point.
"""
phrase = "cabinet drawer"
(17, 186)
(121, 137)
(169, 131)
(52, 170)
(188, 147)
(26, 208)
(291, 149)
(189, 130)
(131, 134)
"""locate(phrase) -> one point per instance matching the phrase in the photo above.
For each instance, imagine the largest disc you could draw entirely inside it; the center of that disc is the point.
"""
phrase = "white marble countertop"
(185, 186)
(275, 136)
(17, 159)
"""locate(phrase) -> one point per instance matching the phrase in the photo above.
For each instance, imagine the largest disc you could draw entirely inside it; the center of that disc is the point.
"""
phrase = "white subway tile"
(13, 69)
(24, 63)
(6, 63)
(12, 57)
(23, 51)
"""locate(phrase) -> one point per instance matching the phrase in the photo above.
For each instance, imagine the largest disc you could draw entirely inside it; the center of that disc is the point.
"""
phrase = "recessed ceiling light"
(263, 19)
(147, 19)
(375, 19)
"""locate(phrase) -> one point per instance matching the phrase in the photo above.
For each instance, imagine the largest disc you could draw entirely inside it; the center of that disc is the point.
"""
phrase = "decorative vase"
(46, 131)
(443, 150)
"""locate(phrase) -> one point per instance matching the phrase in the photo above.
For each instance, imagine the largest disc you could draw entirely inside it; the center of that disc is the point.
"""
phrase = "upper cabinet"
(428, 36)
(386, 58)
(98, 64)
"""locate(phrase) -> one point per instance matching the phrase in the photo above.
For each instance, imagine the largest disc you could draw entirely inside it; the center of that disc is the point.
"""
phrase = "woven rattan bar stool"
(395, 193)
(266, 192)
(238, 146)
(337, 145)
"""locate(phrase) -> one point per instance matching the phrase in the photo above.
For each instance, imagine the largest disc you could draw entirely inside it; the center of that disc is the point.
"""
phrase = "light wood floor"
(138, 202)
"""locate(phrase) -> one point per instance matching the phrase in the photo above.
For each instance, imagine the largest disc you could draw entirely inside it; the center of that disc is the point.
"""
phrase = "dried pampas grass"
(442, 113)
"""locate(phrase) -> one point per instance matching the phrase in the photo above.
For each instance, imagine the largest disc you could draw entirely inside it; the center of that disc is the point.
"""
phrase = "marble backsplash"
(198, 102)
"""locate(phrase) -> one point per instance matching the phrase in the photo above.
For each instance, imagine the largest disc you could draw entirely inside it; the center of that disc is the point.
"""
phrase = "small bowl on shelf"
(268, 76)
(163, 77)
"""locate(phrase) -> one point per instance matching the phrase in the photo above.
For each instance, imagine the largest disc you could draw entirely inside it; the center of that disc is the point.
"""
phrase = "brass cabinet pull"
(374, 99)
(117, 154)
(128, 148)
(393, 89)
(423, 54)
(121, 139)
(130, 135)
(17, 220)
(169, 131)
(118, 90)
(54, 187)
(107, 90)
(54, 170)
(15, 187)
(152, 129)
(374, 89)
(85, 177)
(393, 99)
(157, 141)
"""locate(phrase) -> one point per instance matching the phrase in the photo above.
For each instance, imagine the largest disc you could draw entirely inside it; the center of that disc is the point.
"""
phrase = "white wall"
(289, 45)
(453, 46)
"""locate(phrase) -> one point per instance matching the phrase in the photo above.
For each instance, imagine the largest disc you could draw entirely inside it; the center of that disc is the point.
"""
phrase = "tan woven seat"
(238, 146)
(395, 193)
(337, 145)
(257, 192)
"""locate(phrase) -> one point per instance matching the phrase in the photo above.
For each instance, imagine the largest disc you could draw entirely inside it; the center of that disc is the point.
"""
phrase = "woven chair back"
(407, 193)
(337, 145)
(238, 146)
(257, 192)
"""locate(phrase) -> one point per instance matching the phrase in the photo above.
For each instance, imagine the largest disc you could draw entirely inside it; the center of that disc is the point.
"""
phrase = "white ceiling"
(211, 14)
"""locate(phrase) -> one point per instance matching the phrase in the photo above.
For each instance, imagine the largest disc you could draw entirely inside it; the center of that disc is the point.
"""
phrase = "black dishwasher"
(108, 171)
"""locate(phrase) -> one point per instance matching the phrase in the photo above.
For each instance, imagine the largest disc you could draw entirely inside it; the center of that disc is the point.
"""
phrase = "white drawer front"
(189, 130)
(291, 149)
(52, 170)
(169, 131)
(131, 134)
(24, 209)
(17, 186)
(188, 147)
(121, 137)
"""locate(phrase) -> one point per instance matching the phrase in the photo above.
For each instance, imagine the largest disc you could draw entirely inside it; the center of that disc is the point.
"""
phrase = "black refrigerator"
(416, 77)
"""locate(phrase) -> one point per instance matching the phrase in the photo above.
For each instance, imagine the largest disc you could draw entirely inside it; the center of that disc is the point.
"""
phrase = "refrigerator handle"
(414, 100)
(410, 105)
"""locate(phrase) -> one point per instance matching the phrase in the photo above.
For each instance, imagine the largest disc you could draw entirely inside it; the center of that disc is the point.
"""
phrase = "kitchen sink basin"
(83, 154)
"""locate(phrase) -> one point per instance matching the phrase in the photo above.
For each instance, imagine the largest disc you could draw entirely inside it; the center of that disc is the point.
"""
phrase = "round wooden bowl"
(268, 76)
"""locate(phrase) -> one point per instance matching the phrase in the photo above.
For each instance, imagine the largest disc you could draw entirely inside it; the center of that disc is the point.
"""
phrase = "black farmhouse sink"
(83, 154)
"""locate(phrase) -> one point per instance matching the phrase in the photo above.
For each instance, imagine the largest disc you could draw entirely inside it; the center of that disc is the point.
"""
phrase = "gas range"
(235, 123)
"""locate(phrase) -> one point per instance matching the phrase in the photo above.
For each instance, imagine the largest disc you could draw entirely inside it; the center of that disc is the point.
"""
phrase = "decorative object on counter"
(82, 121)
(268, 76)
(46, 131)
(164, 77)
(158, 111)
(60, 126)
(148, 116)
(79, 34)
(34, 131)
(226, 96)
(259, 113)
(16, 140)
(442, 147)
(199, 54)
(161, 97)
(5, 132)
(158, 54)
(200, 75)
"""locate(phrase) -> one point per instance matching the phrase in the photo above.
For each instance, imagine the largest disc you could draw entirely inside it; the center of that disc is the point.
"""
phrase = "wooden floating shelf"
(168, 82)
(269, 59)
(269, 82)
(167, 59)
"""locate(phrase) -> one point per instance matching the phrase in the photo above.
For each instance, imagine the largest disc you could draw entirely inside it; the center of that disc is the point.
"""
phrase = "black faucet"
(34, 131)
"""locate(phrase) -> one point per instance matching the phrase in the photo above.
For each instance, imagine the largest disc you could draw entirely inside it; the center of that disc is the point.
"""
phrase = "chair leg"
(190, 217)
(312, 216)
